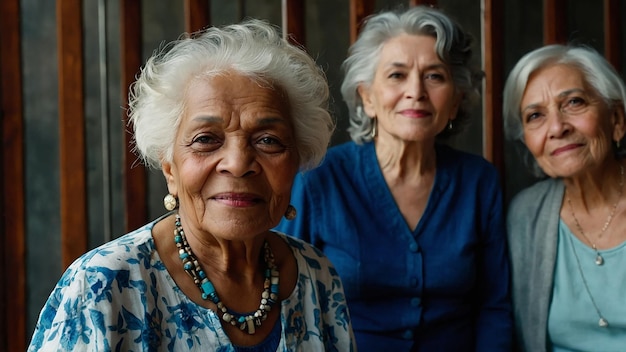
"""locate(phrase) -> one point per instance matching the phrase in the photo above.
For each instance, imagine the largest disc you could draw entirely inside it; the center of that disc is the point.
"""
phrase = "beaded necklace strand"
(194, 270)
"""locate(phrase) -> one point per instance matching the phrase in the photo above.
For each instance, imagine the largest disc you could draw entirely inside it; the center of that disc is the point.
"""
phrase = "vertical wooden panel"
(493, 145)
(72, 130)
(135, 176)
(12, 270)
(554, 21)
(359, 10)
(294, 21)
(432, 3)
(612, 37)
(197, 15)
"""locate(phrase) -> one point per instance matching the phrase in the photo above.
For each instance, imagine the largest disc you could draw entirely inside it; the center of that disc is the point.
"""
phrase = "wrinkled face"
(234, 157)
(568, 128)
(412, 94)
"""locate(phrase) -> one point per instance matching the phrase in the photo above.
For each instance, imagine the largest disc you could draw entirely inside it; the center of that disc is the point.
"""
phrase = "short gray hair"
(252, 48)
(453, 47)
(596, 71)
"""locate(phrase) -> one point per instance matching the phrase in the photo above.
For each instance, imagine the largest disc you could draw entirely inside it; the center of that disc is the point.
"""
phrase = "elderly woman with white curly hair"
(229, 115)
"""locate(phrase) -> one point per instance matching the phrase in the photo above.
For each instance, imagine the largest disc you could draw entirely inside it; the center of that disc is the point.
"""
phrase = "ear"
(458, 98)
(169, 172)
(619, 122)
(368, 105)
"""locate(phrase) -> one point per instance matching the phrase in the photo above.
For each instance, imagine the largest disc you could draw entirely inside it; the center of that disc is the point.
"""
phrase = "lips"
(566, 148)
(238, 199)
(415, 113)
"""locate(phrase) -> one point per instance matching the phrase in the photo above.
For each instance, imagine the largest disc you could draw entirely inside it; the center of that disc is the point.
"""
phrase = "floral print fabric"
(120, 297)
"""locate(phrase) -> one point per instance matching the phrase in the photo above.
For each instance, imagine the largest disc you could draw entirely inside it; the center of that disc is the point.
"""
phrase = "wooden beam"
(493, 46)
(431, 3)
(71, 130)
(554, 21)
(294, 22)
(612, 37)
(12, 269)
(197, 15)
(135, 176)
(359, 10)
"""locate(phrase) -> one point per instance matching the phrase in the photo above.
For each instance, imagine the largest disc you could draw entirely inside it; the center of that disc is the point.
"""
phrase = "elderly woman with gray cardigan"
(567, 233)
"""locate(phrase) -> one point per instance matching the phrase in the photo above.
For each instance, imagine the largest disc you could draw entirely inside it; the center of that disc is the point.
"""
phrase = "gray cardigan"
(532, 226)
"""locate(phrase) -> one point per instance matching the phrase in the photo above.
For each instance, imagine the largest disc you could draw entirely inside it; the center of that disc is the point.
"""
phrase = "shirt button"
(413, 247)
(408, 335)
(415, 302)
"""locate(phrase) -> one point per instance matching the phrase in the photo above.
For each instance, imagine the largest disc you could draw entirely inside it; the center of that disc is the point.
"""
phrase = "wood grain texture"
(13, 335)
(197, 15)
(134, 174)
(493, 46)
(72, 130)
(293, 21)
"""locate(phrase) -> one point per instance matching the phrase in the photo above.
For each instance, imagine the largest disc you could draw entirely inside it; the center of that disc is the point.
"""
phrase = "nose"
(238, 159)
(416, 88)
(558, 126)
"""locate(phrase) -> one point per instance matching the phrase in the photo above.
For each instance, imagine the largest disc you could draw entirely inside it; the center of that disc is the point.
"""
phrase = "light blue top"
(120, 297)
(573, 320)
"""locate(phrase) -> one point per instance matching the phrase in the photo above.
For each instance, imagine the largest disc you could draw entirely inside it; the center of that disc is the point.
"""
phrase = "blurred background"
(69, 181)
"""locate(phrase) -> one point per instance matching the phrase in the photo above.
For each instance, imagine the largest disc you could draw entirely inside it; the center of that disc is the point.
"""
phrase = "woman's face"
(234, 157)
(412, 94)
(568, 127)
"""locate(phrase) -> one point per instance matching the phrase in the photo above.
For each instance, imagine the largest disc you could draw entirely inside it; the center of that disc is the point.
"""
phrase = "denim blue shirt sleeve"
(120, 297)
(443, 286)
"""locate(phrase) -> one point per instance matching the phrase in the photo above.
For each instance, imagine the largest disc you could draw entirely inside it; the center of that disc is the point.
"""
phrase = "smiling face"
(412, 95)
(567, 126)
(234, 157)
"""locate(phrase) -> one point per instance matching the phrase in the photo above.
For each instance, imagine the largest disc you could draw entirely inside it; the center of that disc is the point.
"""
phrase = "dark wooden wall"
(72, 140)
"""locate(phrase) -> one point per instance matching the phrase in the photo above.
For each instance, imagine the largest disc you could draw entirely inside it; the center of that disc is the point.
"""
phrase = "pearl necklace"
(599, 258)
(247, 320)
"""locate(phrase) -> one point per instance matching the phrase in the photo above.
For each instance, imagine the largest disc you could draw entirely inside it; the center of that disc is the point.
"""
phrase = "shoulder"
(339, 164)
(535, 196)
(453, 160)
(309, 259)
(338, 157)
(534, 211)
(121, 252)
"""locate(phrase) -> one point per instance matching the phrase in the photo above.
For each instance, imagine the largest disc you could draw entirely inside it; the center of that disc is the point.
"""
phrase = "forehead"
(407, 46)
(234, 93)
(554, 78)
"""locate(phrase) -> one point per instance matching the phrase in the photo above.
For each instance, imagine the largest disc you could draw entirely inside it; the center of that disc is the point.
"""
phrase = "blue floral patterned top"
(120, 297)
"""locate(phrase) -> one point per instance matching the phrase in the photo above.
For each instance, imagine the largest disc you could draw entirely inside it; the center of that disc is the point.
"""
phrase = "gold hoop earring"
(170, 202)
(290, 213)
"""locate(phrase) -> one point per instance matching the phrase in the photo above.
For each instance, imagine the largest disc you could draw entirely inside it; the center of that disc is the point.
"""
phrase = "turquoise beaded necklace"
(246, 321)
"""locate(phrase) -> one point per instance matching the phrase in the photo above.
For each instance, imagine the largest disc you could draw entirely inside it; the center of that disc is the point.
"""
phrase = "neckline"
(157, 262)
(581, 244)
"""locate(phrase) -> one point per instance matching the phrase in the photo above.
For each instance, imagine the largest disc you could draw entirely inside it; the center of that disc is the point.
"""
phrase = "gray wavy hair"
(453, 46)
(253, 48)
(597, 72)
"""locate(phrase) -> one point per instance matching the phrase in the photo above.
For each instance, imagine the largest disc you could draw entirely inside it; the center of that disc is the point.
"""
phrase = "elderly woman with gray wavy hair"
(414, 227)
(230, 115)
(567, 233)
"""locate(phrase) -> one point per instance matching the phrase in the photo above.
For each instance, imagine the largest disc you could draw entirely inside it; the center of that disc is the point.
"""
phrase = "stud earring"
(170, 202)
(450, 125)
(374, 132)
(290, 213)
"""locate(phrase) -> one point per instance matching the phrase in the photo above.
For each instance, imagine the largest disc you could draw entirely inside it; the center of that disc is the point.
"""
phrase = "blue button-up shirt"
(442, 286)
